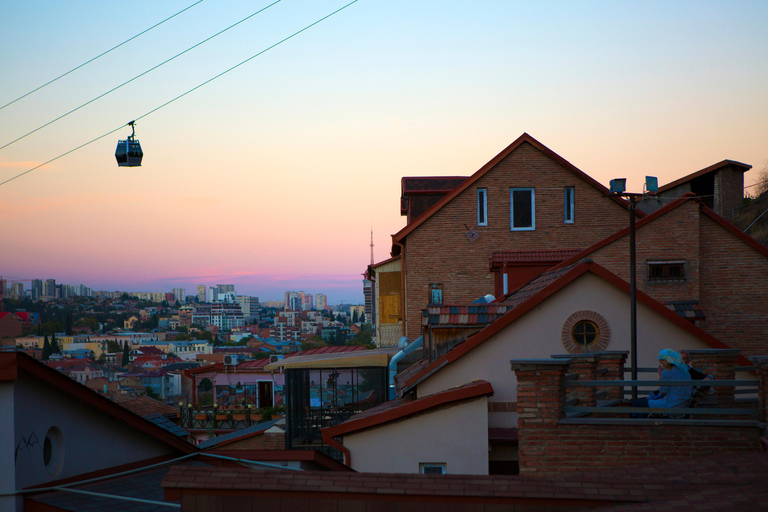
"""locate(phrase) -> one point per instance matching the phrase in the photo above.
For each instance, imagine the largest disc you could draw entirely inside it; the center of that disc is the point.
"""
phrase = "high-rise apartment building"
(17, 290)
(308, 304)
(37, 289)
(201, 293)
(321, 302)
(49, 288)
(179, 294)
(226, 315)
(249, 306)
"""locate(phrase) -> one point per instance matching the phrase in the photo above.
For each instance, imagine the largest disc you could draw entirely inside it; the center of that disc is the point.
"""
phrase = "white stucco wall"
(456, 435)
(7, 450)
(92, 439)
(537, 335)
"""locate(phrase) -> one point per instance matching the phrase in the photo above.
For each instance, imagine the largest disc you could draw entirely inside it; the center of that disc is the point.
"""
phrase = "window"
(522, 209)
(568, 205)
(436, 294)
(666, 271)
(482, 207)
(585, 332)
(432, 468)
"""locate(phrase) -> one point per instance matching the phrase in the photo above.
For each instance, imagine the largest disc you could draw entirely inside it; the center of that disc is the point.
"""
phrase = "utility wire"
(100, 55)
(184, 94)
(140, 75)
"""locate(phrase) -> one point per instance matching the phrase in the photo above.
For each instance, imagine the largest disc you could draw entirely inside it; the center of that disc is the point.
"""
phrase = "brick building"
(700, 265)
(527, 198)
(463, 388)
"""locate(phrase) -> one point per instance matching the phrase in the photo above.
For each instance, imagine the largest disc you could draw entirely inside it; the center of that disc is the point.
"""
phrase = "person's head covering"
(673, 358)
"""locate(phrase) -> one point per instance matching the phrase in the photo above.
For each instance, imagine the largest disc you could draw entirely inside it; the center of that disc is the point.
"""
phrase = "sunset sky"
(272, 176)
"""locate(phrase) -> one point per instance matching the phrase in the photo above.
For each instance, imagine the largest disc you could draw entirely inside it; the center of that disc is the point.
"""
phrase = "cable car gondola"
(128, 152)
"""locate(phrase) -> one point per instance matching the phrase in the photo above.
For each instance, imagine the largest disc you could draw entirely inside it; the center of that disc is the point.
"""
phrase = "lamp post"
(618, 188)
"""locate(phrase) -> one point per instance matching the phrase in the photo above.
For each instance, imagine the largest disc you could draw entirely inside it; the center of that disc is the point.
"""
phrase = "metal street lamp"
(618, 187)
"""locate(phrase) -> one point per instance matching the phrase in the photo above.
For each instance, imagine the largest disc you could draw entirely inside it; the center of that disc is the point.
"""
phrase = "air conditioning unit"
(275, 358)
(230, 360)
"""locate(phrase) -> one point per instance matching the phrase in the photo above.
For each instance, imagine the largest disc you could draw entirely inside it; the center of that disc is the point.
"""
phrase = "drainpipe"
(403, 312)
(407, 348)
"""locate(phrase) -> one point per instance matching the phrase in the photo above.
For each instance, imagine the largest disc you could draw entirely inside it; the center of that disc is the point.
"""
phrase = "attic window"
(666, 271)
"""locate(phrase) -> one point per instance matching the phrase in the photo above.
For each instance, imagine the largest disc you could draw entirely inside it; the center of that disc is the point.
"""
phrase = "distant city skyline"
(277, 296)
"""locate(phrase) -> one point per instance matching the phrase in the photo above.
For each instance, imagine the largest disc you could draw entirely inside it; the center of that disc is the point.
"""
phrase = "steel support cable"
(140, 75)
(100, 55)
(184, 94)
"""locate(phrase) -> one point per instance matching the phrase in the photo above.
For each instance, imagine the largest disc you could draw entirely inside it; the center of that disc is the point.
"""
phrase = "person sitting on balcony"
(668, 396)
(699, 392)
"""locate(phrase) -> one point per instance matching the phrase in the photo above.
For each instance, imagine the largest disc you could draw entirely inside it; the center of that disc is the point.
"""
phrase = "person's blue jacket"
(672, 396)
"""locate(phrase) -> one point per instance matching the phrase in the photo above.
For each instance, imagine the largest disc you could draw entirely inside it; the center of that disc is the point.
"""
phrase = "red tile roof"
(401, 407)
(144, 406)
(499, 258)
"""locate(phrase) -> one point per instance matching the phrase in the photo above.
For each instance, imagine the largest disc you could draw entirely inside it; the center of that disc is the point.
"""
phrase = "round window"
(53, 451)
(585, 331)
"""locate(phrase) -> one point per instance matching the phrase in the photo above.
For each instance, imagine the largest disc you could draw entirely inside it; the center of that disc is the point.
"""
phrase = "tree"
(46, 348)
(362, 317)
(761, 185)
(354, 316)
(68, 324)
(126, 354)
(331, 316)
(55, 349)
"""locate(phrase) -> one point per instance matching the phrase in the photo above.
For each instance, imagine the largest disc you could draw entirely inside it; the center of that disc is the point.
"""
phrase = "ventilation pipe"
(406, 349)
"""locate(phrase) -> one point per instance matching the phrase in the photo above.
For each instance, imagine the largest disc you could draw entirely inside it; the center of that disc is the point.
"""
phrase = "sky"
(272, 176)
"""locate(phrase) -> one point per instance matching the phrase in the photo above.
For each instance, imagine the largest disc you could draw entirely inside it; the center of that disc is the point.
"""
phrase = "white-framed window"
(522, 209)
(568, 204)
(432, 468)
(482, 207)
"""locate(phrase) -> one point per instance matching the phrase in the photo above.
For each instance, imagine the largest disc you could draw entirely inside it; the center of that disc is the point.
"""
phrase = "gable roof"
(702, 172)
(402, 407)
(14, 364)
(690, 196)
(524, 138)
(547, 284)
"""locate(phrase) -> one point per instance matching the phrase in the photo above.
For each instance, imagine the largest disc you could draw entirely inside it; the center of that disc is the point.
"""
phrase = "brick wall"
(729, 190)
(734, 294)
(724, 273)
(439, 252)
(674, 236)
(548, 446)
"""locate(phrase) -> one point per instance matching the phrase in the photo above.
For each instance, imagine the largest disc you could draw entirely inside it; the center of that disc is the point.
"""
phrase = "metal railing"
(615, 412)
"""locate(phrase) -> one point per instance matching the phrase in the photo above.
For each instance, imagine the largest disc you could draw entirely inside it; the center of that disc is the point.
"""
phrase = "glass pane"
(521, 203)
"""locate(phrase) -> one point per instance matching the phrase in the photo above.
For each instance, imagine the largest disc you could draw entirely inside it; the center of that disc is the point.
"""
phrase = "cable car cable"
(100, 55)
(184, 94)
(139, 75)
